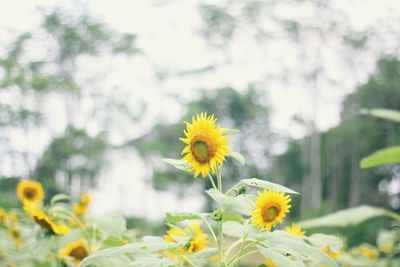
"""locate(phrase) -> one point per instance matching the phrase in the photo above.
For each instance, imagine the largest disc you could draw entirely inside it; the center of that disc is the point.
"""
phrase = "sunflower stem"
(212, 182)
(220, 230)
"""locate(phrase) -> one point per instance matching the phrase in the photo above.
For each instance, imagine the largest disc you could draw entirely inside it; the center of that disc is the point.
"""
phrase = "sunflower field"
(198, 133)
(243, 227)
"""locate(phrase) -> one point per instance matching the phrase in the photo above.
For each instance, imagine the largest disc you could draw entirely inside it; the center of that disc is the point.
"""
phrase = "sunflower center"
(270, 213)
(43, 223)
(30, 192)
(79, 253)
(202, 148)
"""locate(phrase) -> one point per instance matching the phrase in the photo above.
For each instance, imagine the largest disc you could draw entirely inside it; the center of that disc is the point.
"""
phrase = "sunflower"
(271, 208)
(30, 191)
(333, 254)
(81, 208)
(76, 251)
(295, 229)
(197, 239)
(3, 216)
(369, 252)
(270, 263)
(45, 222)
(15, 235)
(207, 146)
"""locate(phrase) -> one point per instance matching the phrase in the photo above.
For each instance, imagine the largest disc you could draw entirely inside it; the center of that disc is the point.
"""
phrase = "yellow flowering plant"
(243, 227)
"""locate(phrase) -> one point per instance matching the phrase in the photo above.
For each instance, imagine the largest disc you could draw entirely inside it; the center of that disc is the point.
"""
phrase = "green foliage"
(386, 156)
(347, 217)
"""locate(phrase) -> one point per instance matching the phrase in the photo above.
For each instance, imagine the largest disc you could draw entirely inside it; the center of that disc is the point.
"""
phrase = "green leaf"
(230, 216)
(278, 258)
(388, 114)
(294, 245)
(322, 240)
(267, 185)
(243, 204)
(182, 216)
(390, 155)
(112, 224)
(58, 198)
(239, 157)
(135, 248)
(179, 164)
(237, 230)
(346, 218)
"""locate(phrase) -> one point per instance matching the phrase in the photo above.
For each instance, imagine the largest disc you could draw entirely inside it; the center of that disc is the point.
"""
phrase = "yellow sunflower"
(270, 263)
(81, 208)
(45, 222)
(369, 252)
(271, 208)
(76, 251)
(30, 191)
(207, 146)
(333, 254)
(3, 216)
(197, 241)
(15, 235)
(295, 229)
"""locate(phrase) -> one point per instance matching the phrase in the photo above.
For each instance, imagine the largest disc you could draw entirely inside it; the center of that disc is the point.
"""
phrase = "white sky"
(168, 32)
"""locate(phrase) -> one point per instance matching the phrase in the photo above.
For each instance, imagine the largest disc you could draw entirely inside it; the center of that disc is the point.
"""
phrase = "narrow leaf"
(267, 185)
(390, 155)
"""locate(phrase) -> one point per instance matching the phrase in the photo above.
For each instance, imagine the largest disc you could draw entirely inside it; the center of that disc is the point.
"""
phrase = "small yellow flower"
(207, 146)
(197, 241)
(81, 208)
(76, 251)
(85, 199)
(45, 222)
(15, 235)
(386, 247)
(271, 209)
(30, 191)
(334, 255)
(3, 216)
(270, 263)
(295, 229)
(369, 252)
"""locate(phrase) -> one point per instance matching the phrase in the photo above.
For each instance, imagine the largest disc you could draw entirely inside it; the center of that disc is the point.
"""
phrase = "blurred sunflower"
(45, 222)
(333, 254)
(3, 216)
(207, 146)
(197, 239)
(81, 208)
(76, 251)
(386, 247)
(270, 263)
(15, 235)
(30, 191)
(368, 251)
(295, 229)
(271, 208)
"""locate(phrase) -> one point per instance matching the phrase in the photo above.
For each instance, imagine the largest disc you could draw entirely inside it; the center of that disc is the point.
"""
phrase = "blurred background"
(93, 94)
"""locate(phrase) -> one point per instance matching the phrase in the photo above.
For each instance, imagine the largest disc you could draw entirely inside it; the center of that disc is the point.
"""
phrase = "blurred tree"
(343, 146)
(42, 67)
(248, 112)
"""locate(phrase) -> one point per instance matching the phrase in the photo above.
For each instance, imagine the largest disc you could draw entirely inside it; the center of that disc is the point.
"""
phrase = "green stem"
(212, 182)
(211, 230)
(242, 247)
(238, 259)
(219, 226)
(187, 260)
(233, 188)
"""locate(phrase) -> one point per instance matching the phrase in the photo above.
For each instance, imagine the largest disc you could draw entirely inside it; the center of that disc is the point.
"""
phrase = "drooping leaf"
(346, 218)
(388, 114)
(243, 204)
(179, 164)
(182, 216)
(390, 155)
(267, 185)
(237, 156)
